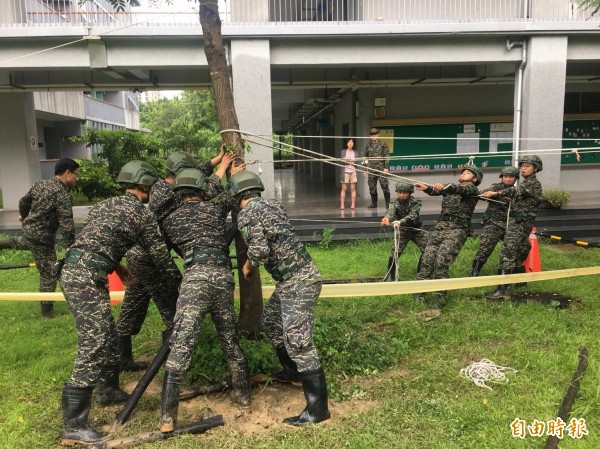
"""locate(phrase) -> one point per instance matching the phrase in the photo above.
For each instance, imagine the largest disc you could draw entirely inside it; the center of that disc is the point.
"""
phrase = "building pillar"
(251, 73)
(543, 102)
(19, 155)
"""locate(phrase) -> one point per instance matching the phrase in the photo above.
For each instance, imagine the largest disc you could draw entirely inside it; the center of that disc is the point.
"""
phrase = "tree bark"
(251, 303)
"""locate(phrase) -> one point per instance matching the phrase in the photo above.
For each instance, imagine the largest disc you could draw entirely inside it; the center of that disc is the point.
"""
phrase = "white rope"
(486, 371)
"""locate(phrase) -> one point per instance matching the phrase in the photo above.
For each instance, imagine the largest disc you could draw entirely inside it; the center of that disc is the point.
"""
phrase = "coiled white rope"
(486, 371)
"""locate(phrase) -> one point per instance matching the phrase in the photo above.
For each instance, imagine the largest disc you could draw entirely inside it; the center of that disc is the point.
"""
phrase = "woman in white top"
(348, 174)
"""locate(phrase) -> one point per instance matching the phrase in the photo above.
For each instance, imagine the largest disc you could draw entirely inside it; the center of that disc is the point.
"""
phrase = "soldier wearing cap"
(46, 208)
(452, 228)
(377, 161)
(112, 227)
(404, 215)
(288, 315)
(493, 225)
(525, 200)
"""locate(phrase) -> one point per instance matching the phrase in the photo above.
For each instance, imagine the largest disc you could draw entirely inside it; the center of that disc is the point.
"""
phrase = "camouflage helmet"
(244, 181)
(403, 186)
(190, 180)
(533, 160)
(178, 161)
(476, 171)
(509, 171)
(137, 172)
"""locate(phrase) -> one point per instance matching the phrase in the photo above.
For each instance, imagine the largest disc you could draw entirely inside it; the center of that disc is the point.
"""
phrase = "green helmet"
(178, 161)
(533, 160)
(244, 181)
(509, 171)
(137, 172)
(476, 171)
(404, 187)
(190, 180)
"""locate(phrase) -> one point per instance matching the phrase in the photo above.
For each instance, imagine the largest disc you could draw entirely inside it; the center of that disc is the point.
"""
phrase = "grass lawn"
(393, 376)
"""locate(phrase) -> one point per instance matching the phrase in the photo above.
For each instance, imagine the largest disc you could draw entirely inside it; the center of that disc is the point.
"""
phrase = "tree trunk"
(251, 303)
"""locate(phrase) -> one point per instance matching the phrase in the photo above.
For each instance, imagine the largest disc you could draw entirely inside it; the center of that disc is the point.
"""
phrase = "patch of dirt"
(565, 248)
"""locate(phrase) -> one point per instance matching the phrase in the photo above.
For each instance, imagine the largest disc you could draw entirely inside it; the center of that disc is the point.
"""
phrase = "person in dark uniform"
(377, 161)
(46, 208)
(197, 232)
(452, 228)
(404, 215)
(525, 200)
(112, 227)
(288, 315)
(493, 225)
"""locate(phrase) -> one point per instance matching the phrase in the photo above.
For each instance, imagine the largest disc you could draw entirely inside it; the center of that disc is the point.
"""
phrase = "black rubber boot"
(126, 362)
(439, 300)
(76, 404)
(386, 196)
(108, 391)
(169, 404)
(47, 309)
(419, 297)
(373, 204)
(289, 372)
(503, 291)
(391, 271)
(241, 391)
(476, 269)
(5, 244)
(520, 269)
(315, 392)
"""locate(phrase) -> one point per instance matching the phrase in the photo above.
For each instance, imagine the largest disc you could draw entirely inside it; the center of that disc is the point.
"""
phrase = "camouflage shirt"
(407, 212)
(46, 208)
(497, 209)
(526, 198)
(116, 224)
(458, 204)
(378, 150)
(199, 225)
(270, 237)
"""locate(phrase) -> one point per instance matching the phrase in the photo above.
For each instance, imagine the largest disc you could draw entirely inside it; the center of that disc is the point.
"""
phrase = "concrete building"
(506, 76)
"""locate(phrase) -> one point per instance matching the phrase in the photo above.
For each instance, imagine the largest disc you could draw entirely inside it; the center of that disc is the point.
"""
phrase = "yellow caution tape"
(369, 289)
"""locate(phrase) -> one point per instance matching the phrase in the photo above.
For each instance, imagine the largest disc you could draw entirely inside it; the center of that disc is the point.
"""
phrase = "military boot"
(520, 269)
(289, 371)
(439, 299)
(315, 393)
(503, 291)
(76, 404)
(391, 271)
(108, 390)
(386, 196)
(126, 362)
(476, 269)
(169, 404)
(47, 309)
(373, 204)
(241, 392)
(5, 244)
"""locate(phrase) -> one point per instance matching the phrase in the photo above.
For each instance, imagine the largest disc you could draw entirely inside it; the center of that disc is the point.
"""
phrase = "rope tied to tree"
(486, 371)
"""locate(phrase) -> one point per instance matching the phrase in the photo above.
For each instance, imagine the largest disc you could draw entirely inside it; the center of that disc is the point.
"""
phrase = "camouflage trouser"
(516, 245)
(444, 244)
(88, 298)
(288, 316)
(372, 182)
(149, 283)
(206, 288)
(491, 233)
(420, 239)
(44, 257)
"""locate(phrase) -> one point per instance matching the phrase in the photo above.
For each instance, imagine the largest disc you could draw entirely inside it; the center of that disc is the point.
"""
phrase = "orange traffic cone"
(114, 285)
(533, 262)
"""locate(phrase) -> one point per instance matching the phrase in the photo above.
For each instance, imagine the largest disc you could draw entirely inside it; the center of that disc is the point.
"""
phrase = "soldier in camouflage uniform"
(493, 225)
(147, 282)
(452, 228)
(288, 315)
(377, 157)
(525, 200)
(46, 208)
(404, 215)
(196, 230)
(112, 227)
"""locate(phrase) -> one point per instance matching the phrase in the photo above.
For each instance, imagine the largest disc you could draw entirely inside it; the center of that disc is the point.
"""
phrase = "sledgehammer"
(193, 428)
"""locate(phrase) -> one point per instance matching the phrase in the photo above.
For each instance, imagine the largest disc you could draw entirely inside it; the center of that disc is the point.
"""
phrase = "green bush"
(556, 198)
(94, 180)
